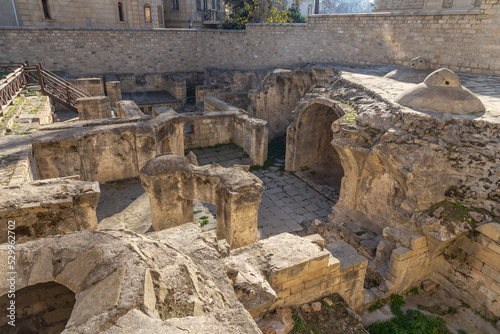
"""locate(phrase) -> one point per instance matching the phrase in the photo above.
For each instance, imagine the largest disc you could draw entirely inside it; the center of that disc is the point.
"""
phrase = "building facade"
(194, 13)
(83, 13)
(426, 5)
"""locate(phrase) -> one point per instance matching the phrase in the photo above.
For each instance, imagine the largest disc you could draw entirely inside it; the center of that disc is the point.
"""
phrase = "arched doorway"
(39, 308)
(309, 142)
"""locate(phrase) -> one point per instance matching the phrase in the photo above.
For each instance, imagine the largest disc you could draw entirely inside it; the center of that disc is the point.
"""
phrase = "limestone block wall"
(128, 109)
(107, 153)
(114, 91)
(227, 127)
(174, 182)
(150, 82)
(210, 90)
(470, 268)
(44, 116)
(93, 86)
(96, 107)
(301, 270)
(176, 85)
(407, 5)
(48, 207)
(454, 40)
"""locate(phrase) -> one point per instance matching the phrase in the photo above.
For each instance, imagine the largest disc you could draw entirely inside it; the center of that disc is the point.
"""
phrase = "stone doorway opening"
(309, 151)
(40, 308)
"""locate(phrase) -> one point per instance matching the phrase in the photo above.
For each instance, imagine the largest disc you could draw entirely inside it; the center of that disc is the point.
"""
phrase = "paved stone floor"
(286, 202)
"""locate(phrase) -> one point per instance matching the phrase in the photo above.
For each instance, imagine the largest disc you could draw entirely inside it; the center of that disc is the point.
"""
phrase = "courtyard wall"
(464, 41)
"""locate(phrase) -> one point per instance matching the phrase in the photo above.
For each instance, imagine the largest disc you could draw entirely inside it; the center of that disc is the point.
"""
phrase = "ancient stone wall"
(299, 270)
(472, 266)
(455, 40)
(107, 153)
(225, 127)
(48, 207)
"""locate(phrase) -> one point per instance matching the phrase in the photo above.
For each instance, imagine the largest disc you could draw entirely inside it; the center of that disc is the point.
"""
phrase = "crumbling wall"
(173, 182)
(49, 207)
(470, 268)
(106, 153)
(299, 270)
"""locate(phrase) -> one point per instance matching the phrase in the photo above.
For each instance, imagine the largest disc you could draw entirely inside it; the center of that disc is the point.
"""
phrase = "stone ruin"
(400, 172)
(415, 71)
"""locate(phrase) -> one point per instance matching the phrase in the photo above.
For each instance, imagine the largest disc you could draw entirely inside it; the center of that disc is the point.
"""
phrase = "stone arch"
(309, 138)
(40, 308)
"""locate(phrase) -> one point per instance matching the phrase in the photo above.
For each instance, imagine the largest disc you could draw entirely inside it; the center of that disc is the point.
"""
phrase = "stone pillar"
(94, 107)
(114, 92)
(93, 86)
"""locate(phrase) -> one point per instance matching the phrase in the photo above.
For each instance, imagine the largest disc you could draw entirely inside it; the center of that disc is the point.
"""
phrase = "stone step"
(346, 254)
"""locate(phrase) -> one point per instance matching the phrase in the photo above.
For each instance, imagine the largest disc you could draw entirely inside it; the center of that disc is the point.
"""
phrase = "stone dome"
(441, 91)
(415, 71)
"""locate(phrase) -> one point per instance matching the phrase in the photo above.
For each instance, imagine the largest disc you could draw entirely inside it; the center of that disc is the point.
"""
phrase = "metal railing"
(52, 85)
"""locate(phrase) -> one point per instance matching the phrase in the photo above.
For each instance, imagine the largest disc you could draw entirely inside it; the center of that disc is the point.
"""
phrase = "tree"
(346, 6)
(255, 11)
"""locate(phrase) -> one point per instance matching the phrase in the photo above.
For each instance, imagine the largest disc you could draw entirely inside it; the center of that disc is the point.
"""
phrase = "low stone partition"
(470, 268)
(204, 91)
(176, 85)
(107, 153)
(128, 108)
(173, 182)
(212, 103)
(48, 207)
(228, 127)
(96, 107)
(93, 86)
(114, 91)
(299, 270)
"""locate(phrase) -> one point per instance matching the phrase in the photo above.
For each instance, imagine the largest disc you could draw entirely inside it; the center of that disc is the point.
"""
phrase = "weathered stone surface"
(96, 107)
(186, 280)
(415, 71)
(48, 207)
(491, 230)
(128, 108)
(173, 182)
(442, 92)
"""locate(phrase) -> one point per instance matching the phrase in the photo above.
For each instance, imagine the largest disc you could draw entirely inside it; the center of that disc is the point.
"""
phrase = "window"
(175, 4)
(198, 5)
(218, 5)
(46, 12)
(120, 11)
(213, 4)
(147, 13)
(160, 15)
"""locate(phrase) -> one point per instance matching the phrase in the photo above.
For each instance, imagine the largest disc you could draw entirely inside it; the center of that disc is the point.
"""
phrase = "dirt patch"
(334, 317)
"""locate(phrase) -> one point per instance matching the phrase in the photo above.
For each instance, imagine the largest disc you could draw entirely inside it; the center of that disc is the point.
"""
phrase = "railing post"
(40, 77)
(68, 93)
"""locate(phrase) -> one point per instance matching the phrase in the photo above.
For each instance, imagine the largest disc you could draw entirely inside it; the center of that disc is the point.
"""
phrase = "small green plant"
(396, 302)
(464, 304)
(204, 217)
(312, 172)
(196, 211)
(413, 291)
(204, 222)
(377, 305)
(299, 326)
(291, 172)
(304, 168)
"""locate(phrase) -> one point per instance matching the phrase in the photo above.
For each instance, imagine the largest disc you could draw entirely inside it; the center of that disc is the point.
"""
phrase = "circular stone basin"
(442, 92)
